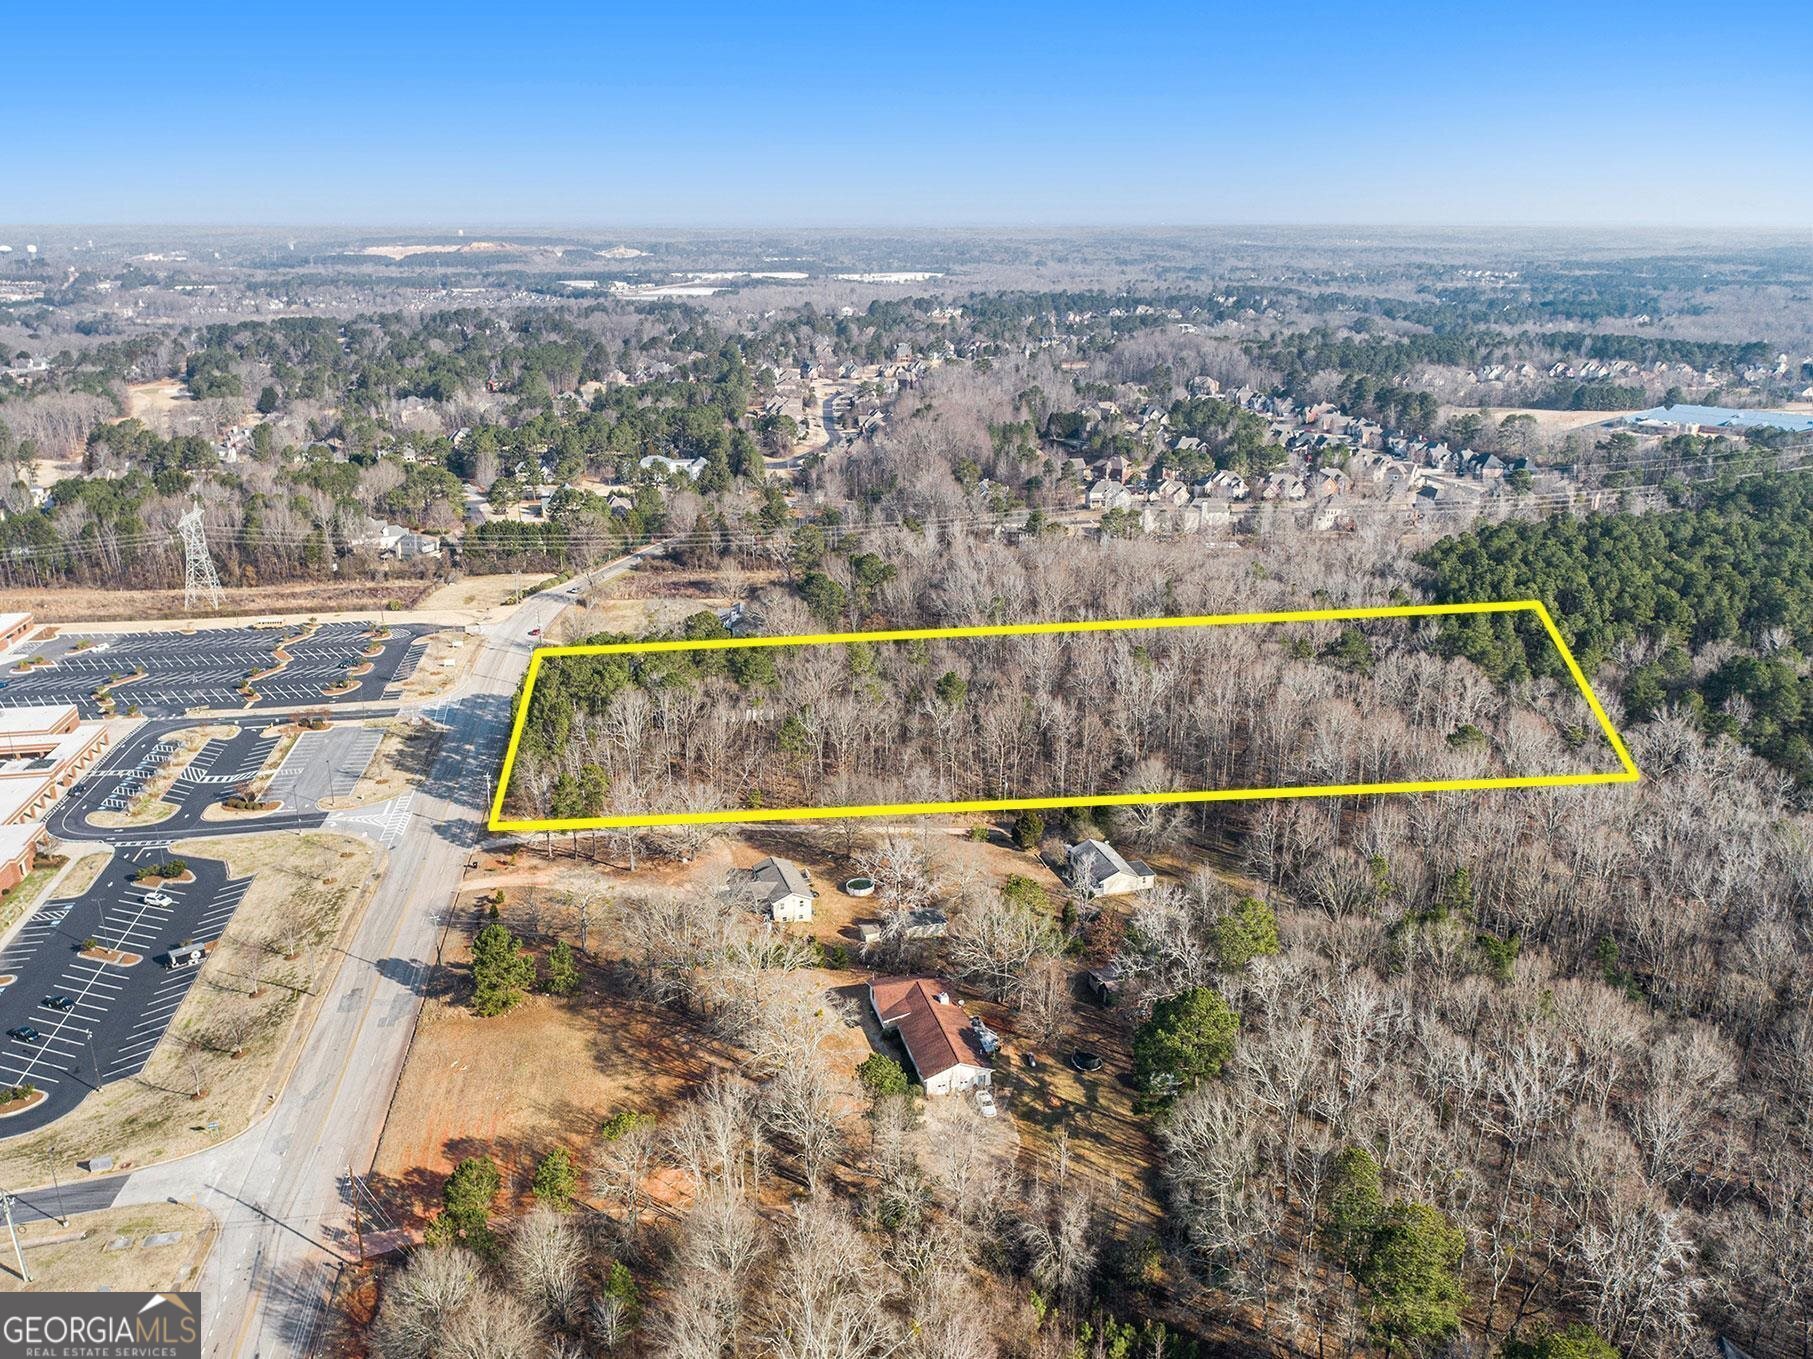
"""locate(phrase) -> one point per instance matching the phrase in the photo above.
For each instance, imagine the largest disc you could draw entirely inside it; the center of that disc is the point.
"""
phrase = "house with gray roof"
(783, 889)
(1098, 870)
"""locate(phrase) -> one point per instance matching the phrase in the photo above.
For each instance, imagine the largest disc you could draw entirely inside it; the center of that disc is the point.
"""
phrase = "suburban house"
(690, 467)
(396, 541)
(947, 1051)
(1108, 495)
(1098, 870)
(783, 889)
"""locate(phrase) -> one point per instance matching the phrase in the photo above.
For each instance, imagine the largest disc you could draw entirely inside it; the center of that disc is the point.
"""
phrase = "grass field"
(300, 598)
(107, 1250)
(515, 1085)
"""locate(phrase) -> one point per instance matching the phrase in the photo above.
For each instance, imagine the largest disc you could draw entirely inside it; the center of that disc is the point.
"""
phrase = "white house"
(691, 467)
(945, 1049)
(1098, 870)
(783, 889)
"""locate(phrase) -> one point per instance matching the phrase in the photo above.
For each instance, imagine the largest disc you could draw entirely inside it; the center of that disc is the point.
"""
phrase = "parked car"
(1084, 1060)
(159, 899)
(25, 1033)
(59, 1003)
(1031, 1059)
(985, 1102)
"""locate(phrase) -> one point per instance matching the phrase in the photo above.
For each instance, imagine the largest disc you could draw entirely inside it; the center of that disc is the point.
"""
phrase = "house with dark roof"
(947, 1050)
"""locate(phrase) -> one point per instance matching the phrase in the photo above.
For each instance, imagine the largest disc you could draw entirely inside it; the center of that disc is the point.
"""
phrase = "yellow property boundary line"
(1627, 772)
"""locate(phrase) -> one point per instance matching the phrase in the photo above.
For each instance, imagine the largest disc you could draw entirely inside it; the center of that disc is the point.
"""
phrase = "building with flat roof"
(1718, 419)
(14, 628)
(44, 749)
(19, 850)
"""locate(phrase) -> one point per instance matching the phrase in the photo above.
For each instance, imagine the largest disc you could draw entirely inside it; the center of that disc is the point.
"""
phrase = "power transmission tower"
(199, 576)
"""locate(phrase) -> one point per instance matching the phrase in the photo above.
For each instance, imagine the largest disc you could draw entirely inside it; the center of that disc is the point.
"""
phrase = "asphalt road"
(221, 764)
(279, 1189)
(204, 670)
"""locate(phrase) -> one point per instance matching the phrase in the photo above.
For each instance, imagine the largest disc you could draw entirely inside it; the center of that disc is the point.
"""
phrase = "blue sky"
(457, 114)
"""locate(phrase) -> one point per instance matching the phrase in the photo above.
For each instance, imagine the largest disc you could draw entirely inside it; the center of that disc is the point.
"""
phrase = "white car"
(985, 1102)
(159, 899)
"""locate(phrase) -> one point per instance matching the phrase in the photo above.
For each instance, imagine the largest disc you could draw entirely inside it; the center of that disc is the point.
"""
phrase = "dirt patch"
(1548, 422)
(480, 594)
(306, 894)
(109, 1250)
(160, 405)
(143, 813)
(299, 598)
(516, 1085)
(112, 956)
(219, 811)
(446, 658)
(23, 1102)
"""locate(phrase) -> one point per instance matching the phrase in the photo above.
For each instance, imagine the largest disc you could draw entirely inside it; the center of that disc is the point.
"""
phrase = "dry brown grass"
(83, 873)
(478, 594)
(516, 1085)
(1548, 422)
(400, 762)
(307, 891)
(87, 605)
(446, 657)
(78, 1258)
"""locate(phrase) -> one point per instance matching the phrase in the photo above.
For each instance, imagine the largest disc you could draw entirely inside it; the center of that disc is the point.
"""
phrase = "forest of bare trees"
(1573, 1025)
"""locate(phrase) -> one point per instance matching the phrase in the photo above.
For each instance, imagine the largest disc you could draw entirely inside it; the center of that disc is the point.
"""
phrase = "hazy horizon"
(1010, 118)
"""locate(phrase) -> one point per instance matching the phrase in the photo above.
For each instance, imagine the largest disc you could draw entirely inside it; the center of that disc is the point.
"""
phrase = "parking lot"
(118, 781)
(220, 766)
(323, 764)
(108, 1017)
(203, 670)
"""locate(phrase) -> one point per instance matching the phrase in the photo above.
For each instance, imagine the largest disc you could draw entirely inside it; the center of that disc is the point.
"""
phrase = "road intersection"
(279, 1189)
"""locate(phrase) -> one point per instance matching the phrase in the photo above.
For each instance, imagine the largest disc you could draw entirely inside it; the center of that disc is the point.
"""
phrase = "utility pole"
(50, 1159)
(6, 1205)
(199, 575)
(352, 1183)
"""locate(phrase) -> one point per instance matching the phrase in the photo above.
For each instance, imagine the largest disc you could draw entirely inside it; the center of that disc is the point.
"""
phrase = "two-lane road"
(278, 1189)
